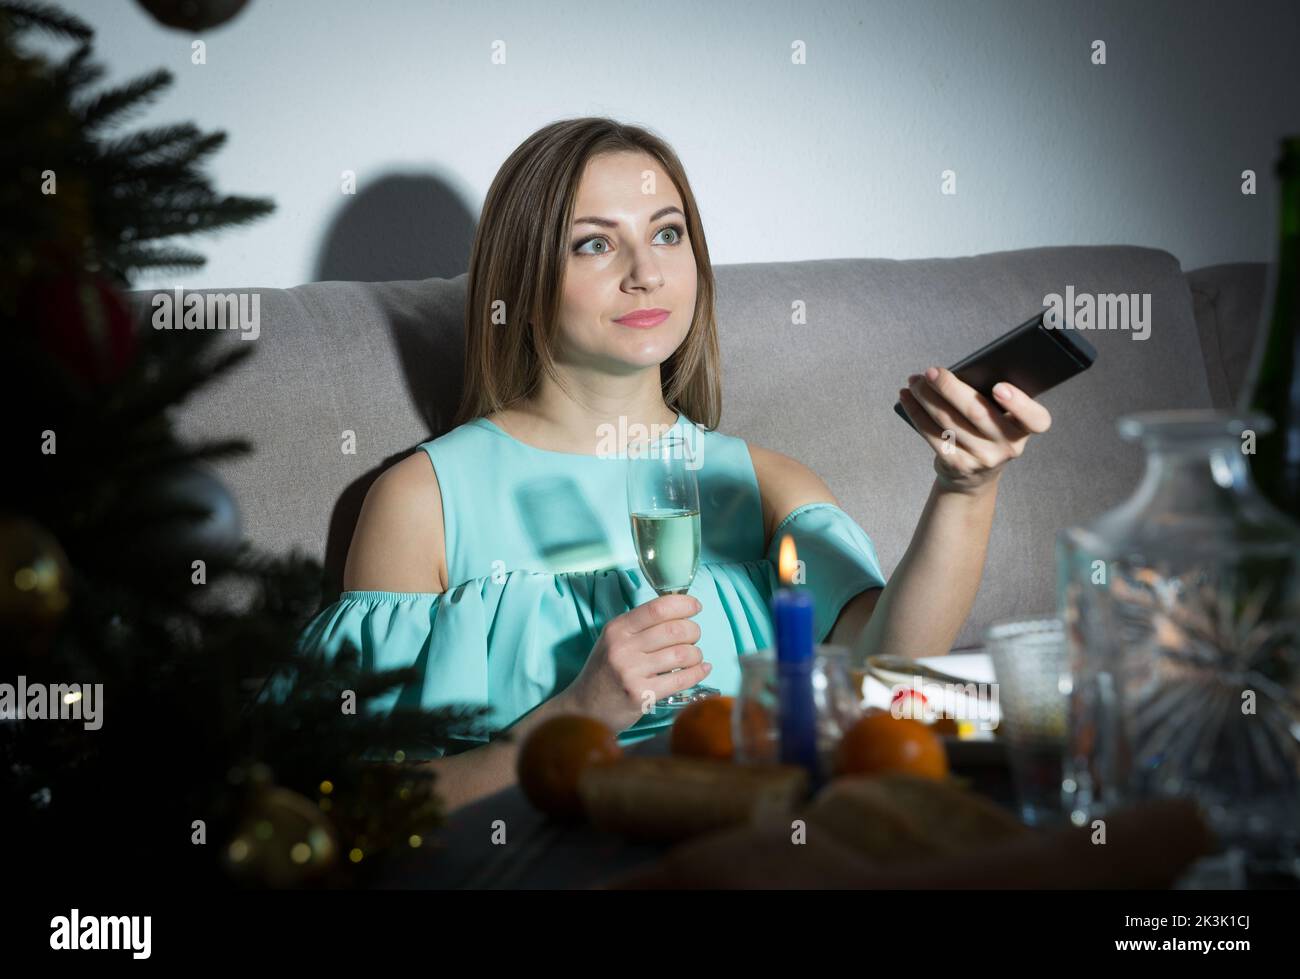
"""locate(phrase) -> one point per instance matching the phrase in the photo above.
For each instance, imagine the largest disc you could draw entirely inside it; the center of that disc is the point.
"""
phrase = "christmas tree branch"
(110, 106)
(46, 17)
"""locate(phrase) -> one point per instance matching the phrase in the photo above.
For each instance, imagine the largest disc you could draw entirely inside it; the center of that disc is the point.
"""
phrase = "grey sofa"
(383, 360)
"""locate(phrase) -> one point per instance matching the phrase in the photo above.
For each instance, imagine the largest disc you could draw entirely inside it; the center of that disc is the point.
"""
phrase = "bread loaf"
(673, 798)
(892, 817)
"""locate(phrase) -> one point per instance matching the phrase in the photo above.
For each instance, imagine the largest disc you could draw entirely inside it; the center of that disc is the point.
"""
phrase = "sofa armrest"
(1228, 303)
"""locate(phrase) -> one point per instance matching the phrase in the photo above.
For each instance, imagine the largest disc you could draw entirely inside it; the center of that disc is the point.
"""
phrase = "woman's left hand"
(972, 437)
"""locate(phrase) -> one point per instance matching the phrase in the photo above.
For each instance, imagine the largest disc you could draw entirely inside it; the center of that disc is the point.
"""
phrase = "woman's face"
(635, 255)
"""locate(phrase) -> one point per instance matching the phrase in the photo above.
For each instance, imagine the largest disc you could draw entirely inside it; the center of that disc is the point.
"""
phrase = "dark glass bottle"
(1273, 388)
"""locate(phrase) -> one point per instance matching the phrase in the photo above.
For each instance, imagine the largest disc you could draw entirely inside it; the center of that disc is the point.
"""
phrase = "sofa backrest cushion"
(383, 361)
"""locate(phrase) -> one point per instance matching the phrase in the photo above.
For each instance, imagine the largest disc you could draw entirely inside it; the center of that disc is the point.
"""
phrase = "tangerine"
(882, 743)
(554, 755)
(703, 729)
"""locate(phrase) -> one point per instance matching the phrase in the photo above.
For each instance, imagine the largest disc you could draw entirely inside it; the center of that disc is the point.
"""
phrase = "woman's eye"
(677, 230)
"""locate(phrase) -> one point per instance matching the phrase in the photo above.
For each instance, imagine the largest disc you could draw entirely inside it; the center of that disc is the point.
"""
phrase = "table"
(541, 853)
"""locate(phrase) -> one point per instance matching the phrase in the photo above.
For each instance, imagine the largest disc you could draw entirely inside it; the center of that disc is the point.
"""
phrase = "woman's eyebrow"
(606, 223)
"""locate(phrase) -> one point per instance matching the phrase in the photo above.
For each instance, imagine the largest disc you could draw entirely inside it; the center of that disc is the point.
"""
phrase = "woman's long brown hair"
(516, 273)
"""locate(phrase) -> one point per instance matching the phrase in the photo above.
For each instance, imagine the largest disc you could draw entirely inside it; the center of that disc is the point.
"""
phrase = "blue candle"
(792, 611)
(792, 615)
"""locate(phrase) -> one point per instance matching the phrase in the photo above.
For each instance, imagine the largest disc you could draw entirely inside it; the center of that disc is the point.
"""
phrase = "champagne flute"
(663, 502)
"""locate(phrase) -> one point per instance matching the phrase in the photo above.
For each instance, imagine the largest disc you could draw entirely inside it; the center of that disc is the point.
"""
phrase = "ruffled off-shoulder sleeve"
(839, 559)
(394, 630)
(506, 644)
(511, 642)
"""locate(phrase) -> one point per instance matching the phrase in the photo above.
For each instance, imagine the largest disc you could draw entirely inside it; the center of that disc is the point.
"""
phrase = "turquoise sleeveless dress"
(540, 556)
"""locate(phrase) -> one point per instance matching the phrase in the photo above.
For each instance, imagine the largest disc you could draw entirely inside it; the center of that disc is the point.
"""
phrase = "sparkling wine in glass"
(668, 548)
(663, 501)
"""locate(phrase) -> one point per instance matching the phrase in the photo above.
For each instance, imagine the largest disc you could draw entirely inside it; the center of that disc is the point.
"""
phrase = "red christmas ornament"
(84, 322)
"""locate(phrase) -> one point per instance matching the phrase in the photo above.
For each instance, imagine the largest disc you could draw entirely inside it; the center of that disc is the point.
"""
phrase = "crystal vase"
(1182, 614)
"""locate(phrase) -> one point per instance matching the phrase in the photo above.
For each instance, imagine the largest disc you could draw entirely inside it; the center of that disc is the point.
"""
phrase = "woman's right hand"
(627, 670)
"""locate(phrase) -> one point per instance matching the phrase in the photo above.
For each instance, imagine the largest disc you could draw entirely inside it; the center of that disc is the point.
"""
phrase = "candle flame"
(786, 560)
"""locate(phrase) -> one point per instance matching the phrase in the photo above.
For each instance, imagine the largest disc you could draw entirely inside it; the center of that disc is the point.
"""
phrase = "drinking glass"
(1032, 673)
(663, 504)
(755, 721)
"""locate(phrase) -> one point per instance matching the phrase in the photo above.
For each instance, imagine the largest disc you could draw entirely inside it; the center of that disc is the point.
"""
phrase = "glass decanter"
(1182, 614)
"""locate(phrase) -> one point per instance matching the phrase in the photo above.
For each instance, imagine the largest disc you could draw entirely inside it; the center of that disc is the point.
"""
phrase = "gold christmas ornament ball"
(283, 841)
(34, 575)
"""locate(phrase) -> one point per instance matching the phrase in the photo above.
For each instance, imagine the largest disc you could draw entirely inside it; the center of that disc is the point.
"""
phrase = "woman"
(498, 560)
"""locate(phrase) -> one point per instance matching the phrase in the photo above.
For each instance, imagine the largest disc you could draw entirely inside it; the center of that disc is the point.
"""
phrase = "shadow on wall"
(401, 227)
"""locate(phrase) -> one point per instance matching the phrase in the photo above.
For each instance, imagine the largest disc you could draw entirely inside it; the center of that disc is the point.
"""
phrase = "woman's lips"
(644, 319)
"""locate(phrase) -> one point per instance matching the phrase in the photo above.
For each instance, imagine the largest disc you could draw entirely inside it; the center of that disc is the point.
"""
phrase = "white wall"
(839, 157)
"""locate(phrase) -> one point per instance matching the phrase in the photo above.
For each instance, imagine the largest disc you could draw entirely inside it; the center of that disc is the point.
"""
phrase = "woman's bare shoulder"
(398, 543)
(784, 484)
